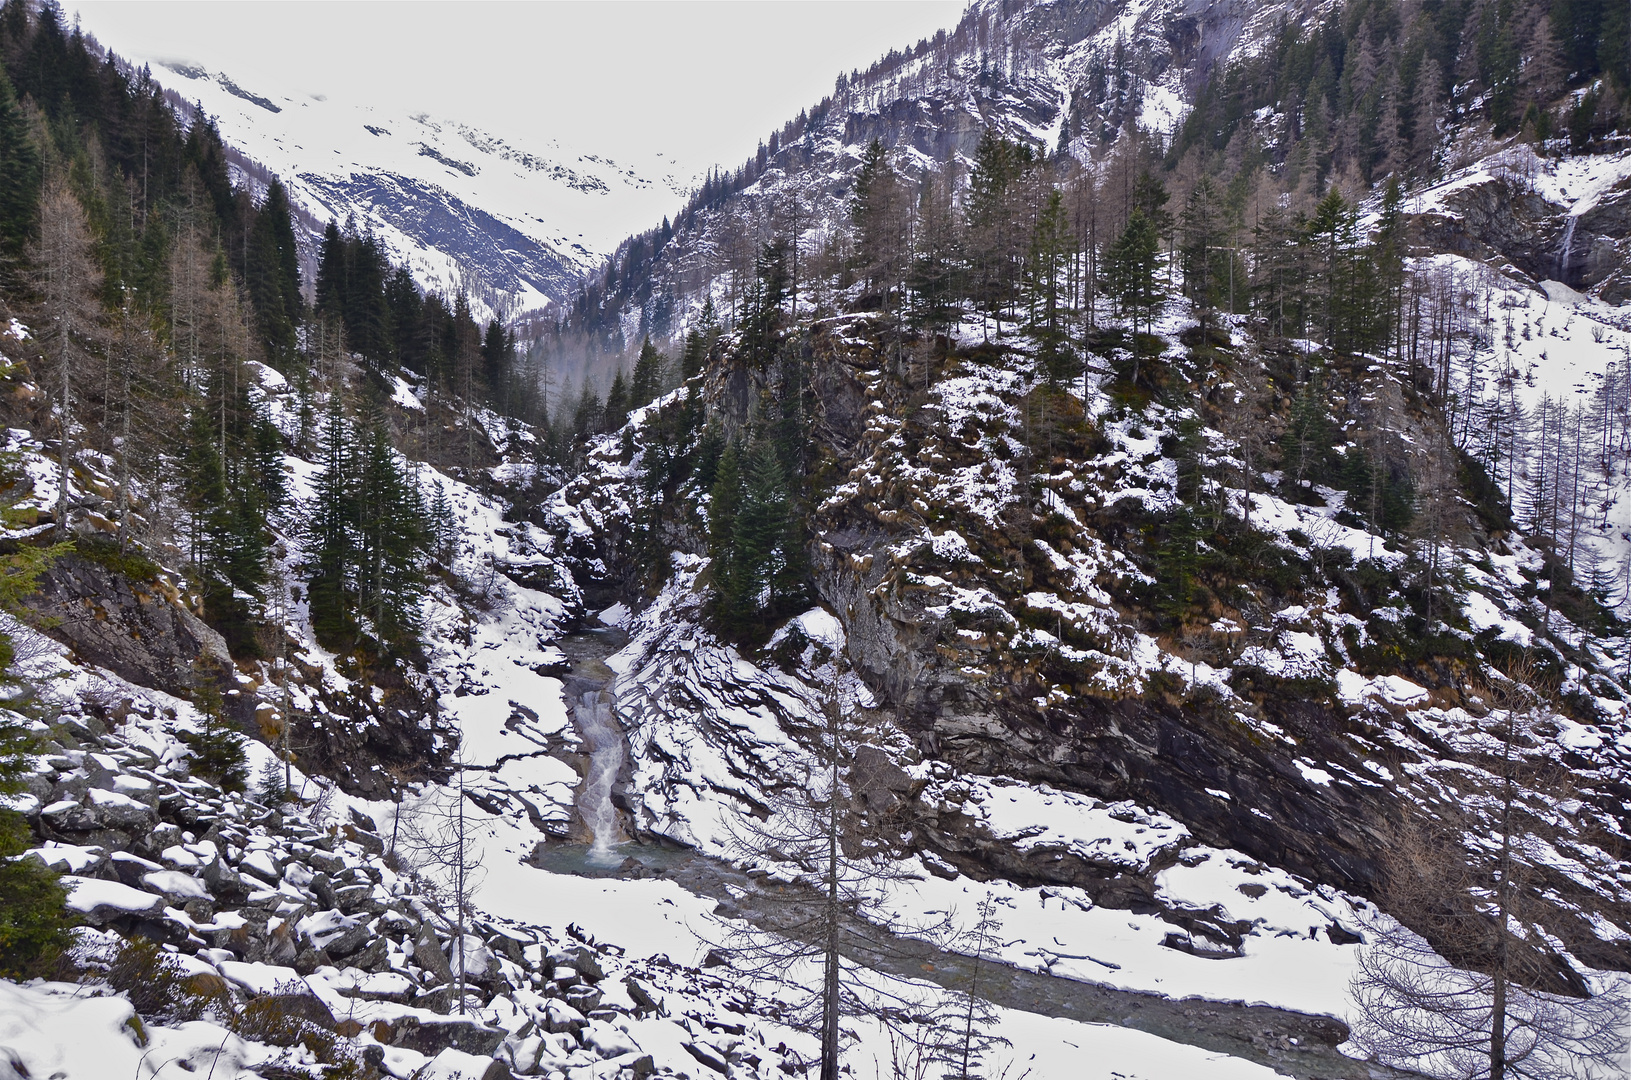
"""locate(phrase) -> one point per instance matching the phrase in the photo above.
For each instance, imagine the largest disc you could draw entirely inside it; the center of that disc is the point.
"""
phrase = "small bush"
(159, 988)
(127, 561)
(34, 924)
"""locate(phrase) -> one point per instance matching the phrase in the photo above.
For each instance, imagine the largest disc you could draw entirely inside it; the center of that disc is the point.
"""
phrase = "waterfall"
(1568, 246)
(599, 726)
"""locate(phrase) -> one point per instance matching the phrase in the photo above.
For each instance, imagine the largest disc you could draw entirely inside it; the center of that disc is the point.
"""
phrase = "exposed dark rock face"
(140, 631)
(358, 740)
(1501, 220)
(1281, 770)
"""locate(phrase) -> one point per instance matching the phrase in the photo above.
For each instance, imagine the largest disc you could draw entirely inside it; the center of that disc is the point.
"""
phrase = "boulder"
(102, 903)
(431, 1037)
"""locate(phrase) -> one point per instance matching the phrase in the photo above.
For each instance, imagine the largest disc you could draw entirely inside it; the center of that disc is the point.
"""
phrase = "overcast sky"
(700, 81)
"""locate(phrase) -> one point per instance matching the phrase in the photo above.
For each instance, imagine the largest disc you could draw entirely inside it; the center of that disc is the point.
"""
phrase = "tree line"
(153, 286)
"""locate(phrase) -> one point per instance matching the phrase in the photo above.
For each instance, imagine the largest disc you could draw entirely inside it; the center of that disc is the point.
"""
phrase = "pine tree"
(647, 381)
(19, 177)
(1046, 289)
(1129, 273)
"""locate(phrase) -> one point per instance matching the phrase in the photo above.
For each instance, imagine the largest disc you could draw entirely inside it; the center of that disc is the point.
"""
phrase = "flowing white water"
(1568, 246)
(598, 724)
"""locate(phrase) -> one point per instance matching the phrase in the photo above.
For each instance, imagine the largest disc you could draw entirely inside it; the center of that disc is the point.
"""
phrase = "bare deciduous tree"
(436, 839)
(830, 845)
(1508, 1005)
(67, 277)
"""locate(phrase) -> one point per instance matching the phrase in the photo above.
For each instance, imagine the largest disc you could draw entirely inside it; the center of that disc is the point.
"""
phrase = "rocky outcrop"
(1503, 221)
(139, 630)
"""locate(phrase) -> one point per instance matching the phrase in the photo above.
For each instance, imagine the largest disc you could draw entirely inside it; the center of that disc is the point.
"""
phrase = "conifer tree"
(272, 276)
(328, 531)
(1200, 254)
(392, 532)
(33, 923)
(647, 381)
(1327, 235)
(694, 356)
(1047, 297)
(761, 525)
(1129, 271)
(19, 178)
(992, 220)
(331, 273)
(724, 507)
(936, 275)
(617, 403)
(878, 209)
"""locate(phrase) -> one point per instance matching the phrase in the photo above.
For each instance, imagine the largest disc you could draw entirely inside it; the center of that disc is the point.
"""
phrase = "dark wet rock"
(431, 1037)
(879, 784)
(141, 631)
(428, 954)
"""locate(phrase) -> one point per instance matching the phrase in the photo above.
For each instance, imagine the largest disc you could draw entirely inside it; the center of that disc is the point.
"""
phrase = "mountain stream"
(1292, 1043)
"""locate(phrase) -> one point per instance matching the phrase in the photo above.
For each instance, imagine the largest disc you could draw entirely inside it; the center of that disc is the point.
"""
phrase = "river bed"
(1296, 1044)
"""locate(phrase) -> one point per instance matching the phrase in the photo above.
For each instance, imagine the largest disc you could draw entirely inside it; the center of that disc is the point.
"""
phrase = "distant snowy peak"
(514, 222)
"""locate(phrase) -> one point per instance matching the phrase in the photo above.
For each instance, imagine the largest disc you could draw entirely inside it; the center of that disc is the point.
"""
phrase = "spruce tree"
(332, 274)
(761, 528)
(496, 356)
(617, 403)
(329, 532)
(19, 177)
(724, 507)
(1047, 299)
(878, 210)
(647, 382)
(1199, 252)
(936, 277)
(998, 166)
(272, 275)
(1129, 271)
(391, 534)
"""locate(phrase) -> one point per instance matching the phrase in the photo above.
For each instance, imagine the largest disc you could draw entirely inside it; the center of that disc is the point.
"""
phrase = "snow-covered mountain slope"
(297, 936)
(512, 220)
(1064, 75)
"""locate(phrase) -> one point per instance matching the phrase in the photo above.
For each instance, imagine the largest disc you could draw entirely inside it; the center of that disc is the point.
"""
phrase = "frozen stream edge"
(1292, 1043)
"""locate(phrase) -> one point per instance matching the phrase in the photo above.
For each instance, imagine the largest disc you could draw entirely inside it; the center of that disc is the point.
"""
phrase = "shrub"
(159, 988)
(34, 924)
(218, 751)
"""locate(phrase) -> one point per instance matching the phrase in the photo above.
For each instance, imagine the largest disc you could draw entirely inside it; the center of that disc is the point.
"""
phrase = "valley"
(1098, 550)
